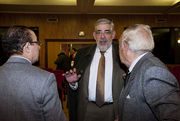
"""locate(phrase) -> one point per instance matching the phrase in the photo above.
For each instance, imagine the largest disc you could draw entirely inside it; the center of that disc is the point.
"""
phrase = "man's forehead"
(33, 35)
(103, 27)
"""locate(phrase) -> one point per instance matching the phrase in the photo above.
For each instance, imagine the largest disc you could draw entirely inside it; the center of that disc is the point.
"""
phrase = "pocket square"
(128, 97)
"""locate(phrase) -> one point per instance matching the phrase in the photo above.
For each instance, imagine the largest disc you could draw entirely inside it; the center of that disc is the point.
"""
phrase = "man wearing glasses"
(27, 92)
(97, 101)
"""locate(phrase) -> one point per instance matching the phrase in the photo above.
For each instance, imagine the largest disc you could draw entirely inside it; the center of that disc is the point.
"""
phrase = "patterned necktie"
(100, 81)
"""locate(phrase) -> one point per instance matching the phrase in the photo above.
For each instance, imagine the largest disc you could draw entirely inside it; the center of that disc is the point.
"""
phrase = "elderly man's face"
(103, 36)
(121, 52)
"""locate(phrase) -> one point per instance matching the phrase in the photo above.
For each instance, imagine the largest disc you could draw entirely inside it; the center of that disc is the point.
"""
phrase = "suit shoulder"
(154, 62)
(85, 49)
(38, 71)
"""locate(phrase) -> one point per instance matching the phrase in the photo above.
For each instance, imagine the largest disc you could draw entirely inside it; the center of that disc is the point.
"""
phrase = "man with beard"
(94, 105)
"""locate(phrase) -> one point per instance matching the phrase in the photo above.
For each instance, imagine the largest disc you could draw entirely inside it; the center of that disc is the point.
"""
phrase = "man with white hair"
(150, 92)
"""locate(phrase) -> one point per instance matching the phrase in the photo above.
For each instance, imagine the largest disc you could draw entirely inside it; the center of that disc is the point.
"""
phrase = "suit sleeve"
(51, 104)
(162, 94)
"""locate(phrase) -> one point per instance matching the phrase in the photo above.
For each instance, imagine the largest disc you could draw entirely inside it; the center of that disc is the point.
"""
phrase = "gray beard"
(104, 48)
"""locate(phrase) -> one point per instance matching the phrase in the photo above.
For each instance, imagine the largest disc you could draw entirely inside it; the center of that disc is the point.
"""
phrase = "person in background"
(63, 62)
(151, 92)
(72, 56)
(94, 104)
(27, 93)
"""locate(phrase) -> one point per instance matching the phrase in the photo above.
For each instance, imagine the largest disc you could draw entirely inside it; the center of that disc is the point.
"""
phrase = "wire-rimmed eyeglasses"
(106, 32)
(37, 42)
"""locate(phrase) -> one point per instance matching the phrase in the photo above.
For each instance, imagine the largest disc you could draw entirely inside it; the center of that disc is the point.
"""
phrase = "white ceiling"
(135, 2)
(91, 6)
(39, 2)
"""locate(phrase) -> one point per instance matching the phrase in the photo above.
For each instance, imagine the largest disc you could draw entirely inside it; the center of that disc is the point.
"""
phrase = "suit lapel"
(134, 71)
(86, 80)
(89, 56)
(115, 79)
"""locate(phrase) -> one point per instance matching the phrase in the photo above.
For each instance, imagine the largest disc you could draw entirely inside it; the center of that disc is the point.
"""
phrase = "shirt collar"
(135, 61)
(21, 57)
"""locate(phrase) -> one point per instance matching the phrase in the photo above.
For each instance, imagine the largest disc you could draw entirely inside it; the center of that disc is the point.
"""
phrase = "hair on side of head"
(105, 21)
(15, 38)
(139, 38)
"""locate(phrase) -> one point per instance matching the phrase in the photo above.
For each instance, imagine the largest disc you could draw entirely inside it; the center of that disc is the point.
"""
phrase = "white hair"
(105, 21)
(139, 38)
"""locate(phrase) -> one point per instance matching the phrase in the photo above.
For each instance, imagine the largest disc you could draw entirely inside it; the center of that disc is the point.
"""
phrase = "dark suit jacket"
(28, 93)
(82, 63)
(151, 94)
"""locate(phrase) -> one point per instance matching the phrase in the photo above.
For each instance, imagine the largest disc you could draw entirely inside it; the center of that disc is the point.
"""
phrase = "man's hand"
(71, 76)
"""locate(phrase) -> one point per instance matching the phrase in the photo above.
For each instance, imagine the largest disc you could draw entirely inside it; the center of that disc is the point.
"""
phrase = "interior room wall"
(68, 26)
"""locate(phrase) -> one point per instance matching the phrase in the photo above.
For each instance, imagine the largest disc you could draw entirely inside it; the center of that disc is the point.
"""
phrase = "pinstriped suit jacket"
(28, 93)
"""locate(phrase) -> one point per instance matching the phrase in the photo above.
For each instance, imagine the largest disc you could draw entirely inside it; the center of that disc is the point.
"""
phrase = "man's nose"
(102, 35)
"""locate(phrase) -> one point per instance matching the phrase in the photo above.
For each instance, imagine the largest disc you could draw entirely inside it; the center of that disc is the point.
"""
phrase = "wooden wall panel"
(68, 26)
(55, 48)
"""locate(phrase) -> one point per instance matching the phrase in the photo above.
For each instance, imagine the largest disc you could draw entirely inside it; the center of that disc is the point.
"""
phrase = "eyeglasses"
(106, 32)
(37, 42)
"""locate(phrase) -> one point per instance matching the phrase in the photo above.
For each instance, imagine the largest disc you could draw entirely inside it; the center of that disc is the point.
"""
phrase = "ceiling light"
(40, 2)
(176, 1)
(135, 2)
(178, 41)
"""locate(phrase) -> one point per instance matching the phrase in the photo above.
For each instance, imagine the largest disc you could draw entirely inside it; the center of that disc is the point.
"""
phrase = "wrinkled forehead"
(103, 27)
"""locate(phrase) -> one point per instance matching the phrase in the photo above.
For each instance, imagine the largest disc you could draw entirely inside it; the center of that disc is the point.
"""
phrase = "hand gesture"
(71, 76)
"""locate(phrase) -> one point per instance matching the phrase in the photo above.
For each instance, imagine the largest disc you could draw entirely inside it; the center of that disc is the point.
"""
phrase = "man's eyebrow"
(104, 30)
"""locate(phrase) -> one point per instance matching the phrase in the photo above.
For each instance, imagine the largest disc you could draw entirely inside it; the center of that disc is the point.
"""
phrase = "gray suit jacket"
(82, 63)
(151, 94)
(28, 93)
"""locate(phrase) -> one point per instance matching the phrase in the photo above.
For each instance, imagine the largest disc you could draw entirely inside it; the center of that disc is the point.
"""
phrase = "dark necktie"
(126, 78)
(100, 81)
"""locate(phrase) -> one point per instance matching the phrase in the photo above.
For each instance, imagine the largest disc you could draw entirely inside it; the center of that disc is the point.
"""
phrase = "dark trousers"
(72, 104)
(95, 113)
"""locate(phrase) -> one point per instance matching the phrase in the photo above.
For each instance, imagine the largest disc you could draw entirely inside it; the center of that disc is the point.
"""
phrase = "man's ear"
(113, 34)
(26, 48)
(94, 35)
(126, 46)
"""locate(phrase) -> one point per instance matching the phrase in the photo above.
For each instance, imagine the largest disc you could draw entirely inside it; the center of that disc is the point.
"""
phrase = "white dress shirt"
(93, 76)
(135, 61)
(108, 75)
